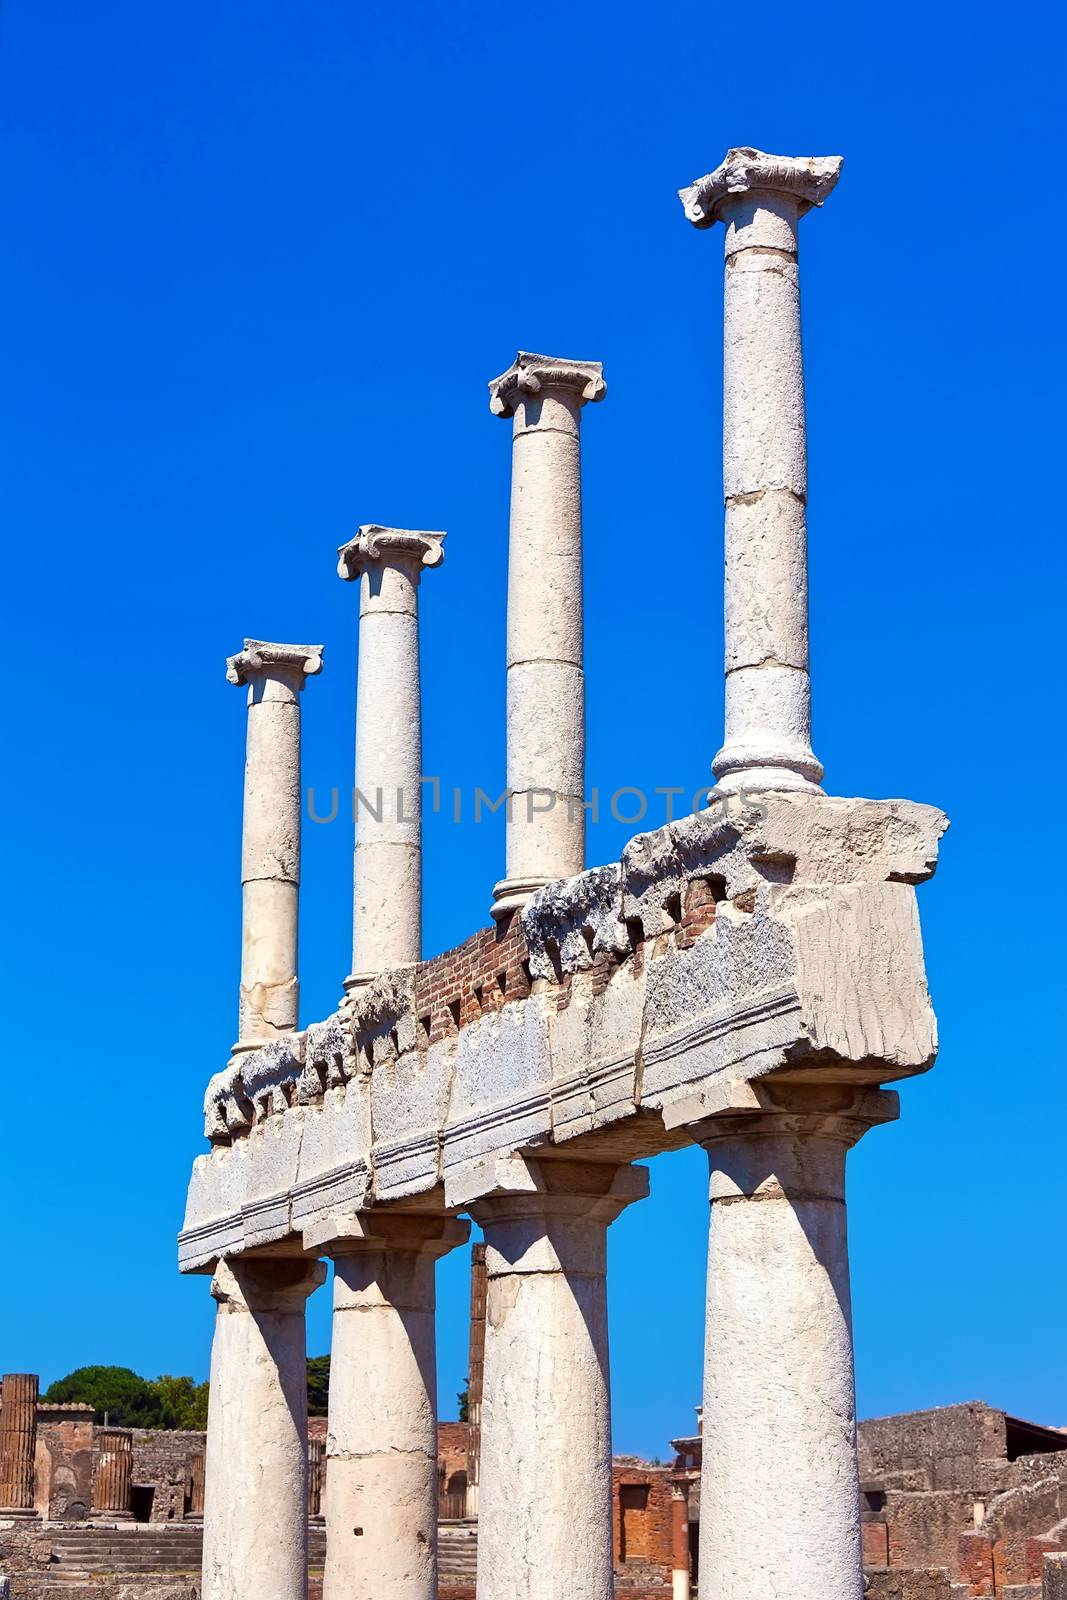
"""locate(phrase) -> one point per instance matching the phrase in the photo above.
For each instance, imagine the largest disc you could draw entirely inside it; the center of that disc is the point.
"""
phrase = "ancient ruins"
(747, 978)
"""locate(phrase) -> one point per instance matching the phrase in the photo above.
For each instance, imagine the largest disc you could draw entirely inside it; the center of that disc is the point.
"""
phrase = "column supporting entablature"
(778, 1373)
(381, 1478)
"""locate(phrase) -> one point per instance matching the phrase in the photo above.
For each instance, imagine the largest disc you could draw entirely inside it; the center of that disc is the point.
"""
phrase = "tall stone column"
(546, 681)
(381, 1445)
(387, 869)
(270, 843)
(113, 1479)
(760, 199)
(316, 1457)
(475, 1375)
(255, 1492)
(544, 1524)
(18, 1443)
(779, 1496)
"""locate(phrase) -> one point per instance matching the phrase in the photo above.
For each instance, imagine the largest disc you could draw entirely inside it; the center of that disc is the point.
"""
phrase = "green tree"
(119, 1393)
(463, 1400)
(318, 1385)
(183, 1400)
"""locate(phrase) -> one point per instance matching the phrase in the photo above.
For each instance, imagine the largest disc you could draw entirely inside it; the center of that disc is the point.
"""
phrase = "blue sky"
(260, 265)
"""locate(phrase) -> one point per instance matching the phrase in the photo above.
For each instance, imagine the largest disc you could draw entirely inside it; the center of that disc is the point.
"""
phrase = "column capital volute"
(259, 659)
(805, 179)
(531, 374)
(373, 544)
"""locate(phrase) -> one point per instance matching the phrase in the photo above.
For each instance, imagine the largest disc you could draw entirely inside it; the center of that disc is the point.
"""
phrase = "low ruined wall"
(64, 1467)
(163, 1460)
(641, 1512)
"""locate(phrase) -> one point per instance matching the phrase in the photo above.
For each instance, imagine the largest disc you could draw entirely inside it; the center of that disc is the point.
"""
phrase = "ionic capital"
(374, 543)
(806, 179)
(258, 658)
(529, 374)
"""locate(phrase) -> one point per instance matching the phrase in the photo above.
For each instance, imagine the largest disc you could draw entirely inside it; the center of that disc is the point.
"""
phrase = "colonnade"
(779, 1502)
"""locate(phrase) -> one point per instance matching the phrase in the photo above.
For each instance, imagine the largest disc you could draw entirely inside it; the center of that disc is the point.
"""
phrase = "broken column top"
(808, 179)
(258, 656)
(373, 543)
(529, 374)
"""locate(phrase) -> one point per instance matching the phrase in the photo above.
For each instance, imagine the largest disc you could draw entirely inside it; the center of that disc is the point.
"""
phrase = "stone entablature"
(628, 1029)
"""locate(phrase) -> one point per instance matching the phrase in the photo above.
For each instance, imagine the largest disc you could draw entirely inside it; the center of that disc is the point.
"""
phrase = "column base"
(19, 1514)
(511, 894)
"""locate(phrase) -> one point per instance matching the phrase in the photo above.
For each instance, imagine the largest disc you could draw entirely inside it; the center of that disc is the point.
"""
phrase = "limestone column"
(255, 1491)
(387, 871)
(544, 1523)
(381, 1443)
(546, 681)
(113, 1479)
(779, 1496)
(760, 199)
(270, 842)
(18, 1443)
(381, 1480)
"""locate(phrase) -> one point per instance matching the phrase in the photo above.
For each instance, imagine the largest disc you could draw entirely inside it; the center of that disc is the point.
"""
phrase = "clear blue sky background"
(260, 263)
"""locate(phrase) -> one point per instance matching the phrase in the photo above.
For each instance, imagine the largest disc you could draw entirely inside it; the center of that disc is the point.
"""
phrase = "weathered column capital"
(260, 659)
(280, 1284)
(374, 543)
(806, 180)
(530, 374)
(370, 1233)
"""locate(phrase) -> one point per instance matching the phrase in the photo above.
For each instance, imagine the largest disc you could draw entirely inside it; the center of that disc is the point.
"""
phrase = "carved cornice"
(808, 179)
(258, 656)
(374, 543)
(529, 374)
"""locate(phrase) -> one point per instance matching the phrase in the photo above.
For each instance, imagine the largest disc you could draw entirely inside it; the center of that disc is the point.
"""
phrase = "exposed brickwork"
(641, 1517)
(484, 973)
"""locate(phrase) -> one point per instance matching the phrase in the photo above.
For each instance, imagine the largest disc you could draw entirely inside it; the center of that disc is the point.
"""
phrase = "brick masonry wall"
(641, 1516)
(490, 969)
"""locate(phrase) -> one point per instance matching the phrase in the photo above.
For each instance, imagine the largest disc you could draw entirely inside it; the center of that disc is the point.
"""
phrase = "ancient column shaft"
(475, 1374)
(779, 1499)
(270, 844)
(18, 1443)
(381, 1447)
(113, 1479)
(387, 869)
(255, 1492)
(316, 1457)
(546, 681)
(544, 1521)
(760, 199)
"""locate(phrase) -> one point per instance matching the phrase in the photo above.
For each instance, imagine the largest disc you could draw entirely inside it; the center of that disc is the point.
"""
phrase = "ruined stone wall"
(64, 1464)
(162, 1462)
(937, 1449)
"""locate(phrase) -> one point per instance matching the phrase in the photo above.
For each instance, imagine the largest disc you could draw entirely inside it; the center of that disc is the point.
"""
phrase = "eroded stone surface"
(812, 967)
